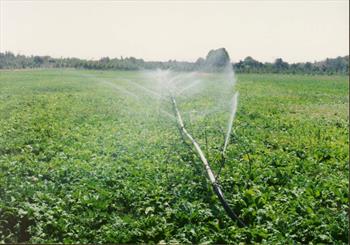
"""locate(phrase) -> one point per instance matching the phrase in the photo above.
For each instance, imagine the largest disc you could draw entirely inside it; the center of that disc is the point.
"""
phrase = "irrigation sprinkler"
(212, 178)
(171, 86)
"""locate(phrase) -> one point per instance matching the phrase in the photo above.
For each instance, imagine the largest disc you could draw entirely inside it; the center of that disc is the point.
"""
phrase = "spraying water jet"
(189, 89)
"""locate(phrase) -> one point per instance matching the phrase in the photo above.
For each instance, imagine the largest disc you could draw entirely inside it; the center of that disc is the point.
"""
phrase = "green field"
(86, 158)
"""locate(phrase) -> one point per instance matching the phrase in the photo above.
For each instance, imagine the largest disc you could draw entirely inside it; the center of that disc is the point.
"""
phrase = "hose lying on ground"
(210, 173)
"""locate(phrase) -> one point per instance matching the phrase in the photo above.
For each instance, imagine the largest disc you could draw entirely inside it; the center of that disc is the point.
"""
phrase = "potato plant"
(83, 160)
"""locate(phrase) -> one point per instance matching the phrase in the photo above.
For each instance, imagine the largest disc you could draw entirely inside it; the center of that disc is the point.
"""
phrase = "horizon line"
(146, 60)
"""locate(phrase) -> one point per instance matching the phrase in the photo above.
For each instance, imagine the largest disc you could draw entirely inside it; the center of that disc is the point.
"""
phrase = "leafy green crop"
(84, 160)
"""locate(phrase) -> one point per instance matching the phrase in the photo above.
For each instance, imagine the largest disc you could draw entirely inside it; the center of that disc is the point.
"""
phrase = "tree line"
(339, 65)
(212, 62)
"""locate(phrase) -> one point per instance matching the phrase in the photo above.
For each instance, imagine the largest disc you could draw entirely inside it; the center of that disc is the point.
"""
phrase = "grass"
(84, 160)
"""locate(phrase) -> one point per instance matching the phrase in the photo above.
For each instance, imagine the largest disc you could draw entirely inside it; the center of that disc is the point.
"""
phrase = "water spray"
(230, 122)
(187, 87)
(167, 86)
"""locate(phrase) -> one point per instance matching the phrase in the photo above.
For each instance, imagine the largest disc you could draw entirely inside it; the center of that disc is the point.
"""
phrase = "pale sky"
(182, 30)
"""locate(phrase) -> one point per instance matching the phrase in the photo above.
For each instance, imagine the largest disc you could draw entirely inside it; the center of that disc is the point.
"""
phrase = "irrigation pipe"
(215, 185)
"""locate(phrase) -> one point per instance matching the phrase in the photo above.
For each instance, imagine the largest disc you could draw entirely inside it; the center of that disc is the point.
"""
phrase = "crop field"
(89, 157)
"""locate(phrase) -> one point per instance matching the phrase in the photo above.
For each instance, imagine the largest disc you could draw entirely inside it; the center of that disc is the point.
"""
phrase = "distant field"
(86, 158)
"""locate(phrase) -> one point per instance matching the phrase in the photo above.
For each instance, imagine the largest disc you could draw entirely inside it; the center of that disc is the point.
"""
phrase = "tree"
(280, 65)
(38, 60)
(217, 59)
(200, 62)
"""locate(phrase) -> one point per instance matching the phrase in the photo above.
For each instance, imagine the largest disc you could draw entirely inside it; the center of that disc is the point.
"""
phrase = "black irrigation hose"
(210, 173)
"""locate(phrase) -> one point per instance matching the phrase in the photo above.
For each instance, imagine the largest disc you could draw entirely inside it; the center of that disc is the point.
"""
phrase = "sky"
(296, 31)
